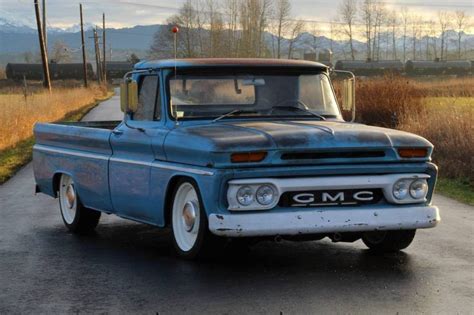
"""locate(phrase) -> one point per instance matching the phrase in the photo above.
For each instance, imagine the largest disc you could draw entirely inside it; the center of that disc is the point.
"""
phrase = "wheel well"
(169, 198)
(56, 181)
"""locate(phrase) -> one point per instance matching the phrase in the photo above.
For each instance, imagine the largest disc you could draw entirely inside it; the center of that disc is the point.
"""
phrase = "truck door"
(130, 164)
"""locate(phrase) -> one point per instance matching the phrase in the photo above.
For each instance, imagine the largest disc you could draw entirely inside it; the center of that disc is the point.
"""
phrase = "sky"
(123, 13)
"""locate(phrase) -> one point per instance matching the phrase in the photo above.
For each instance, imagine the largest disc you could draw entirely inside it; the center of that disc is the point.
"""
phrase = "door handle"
(117, 132)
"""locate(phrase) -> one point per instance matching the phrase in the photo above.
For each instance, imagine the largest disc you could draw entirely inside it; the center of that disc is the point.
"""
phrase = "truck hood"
(212, 144)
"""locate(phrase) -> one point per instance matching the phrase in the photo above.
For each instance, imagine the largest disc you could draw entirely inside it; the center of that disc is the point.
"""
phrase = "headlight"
(419, 189)
(245, 195)
(265, 195)
(400, 189)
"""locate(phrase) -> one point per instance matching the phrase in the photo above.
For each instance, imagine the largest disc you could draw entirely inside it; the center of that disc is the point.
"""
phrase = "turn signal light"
(413, 152)
(247, 157)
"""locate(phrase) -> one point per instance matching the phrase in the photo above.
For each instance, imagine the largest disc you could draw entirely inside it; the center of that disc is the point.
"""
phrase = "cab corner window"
(148, 109)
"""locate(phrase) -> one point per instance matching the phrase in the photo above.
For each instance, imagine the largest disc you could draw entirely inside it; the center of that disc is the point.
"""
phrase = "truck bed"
(79, 148)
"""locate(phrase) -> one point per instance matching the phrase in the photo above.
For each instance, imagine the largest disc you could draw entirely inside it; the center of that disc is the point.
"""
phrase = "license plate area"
(325, 198)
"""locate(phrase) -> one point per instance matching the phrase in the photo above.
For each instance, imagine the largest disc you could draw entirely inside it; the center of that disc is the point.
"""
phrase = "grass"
(456, 189)
(14, 155)
(19, 113)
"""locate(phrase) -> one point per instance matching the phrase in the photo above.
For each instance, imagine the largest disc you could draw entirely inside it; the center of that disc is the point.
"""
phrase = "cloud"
(121, 13)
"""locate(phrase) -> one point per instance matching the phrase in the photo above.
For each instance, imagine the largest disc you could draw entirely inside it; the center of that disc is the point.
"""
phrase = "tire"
(388, 241)
(189, 224)
(77, 218)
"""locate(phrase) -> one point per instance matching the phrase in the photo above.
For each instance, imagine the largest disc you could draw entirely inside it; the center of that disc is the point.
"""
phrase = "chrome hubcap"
(70, 196)
(189, 215)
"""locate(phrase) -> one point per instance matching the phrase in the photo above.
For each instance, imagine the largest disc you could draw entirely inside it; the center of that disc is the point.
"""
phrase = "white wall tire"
(76, 217)
(191, 236)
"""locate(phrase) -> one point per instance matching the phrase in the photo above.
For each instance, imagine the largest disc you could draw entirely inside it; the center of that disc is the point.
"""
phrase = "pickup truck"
(219, 150)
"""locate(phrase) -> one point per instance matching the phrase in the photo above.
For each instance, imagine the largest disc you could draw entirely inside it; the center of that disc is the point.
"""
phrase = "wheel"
(191, 236)
(76, 217)
(388, 241)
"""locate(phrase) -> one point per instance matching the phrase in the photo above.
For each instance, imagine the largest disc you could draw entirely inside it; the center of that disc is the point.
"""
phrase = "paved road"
(128, 267)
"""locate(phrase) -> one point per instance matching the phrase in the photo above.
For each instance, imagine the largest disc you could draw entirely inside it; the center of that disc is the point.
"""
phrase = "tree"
(461, 22)
(133, 58)
(282, 15)
(348, 14)
(296, 29)
(28, 56)
(61, 52)
(415, 28)
(367, 16)
(393, 23)
(405, 18)
(443, 20)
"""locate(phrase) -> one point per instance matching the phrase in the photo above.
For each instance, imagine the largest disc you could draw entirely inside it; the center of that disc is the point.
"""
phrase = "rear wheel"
(76, 217)
(388, 241)
(191, 236)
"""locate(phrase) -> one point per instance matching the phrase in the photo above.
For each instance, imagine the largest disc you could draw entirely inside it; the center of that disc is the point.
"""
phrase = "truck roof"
(229, 63)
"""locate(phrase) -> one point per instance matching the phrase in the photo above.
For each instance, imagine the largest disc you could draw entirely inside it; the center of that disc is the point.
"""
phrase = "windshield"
(212, 96)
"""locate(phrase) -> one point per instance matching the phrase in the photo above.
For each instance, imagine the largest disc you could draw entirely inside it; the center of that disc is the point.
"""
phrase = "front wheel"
(77, 218)
(388, 241)
(191, 236)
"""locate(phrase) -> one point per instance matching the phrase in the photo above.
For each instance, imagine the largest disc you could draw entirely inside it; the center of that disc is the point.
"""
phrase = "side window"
(149, 93)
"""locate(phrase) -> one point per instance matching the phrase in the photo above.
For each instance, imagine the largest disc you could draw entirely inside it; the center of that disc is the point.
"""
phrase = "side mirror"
(348, 94)
(129, 96)
(348, 91)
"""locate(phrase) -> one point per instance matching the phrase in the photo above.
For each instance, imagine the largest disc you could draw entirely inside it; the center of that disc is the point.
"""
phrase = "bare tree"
(443, 20)
(405, 19)
(393, 23)
(282, 16)
(461, 22)
(415, 32)
(379, 15)
(348, 14)
(61, 52)
(367, 16)
(296, 29)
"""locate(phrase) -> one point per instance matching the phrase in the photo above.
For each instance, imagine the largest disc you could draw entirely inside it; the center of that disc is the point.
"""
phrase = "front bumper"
(324, 221)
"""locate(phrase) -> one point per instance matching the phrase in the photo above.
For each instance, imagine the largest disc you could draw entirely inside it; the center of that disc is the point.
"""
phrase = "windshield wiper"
(234, 112)
(293, 108)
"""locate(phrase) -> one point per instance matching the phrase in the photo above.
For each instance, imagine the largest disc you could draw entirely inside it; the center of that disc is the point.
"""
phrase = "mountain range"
(17, 38)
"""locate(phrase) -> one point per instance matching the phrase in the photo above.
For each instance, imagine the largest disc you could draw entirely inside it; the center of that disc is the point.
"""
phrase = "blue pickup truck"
(227, 149)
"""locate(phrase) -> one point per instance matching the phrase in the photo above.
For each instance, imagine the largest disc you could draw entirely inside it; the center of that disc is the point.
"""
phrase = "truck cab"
(220, 149)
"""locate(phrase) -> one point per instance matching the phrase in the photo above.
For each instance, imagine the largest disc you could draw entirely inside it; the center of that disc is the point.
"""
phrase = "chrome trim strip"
(42, 148)
(182, 169)
(162, 165)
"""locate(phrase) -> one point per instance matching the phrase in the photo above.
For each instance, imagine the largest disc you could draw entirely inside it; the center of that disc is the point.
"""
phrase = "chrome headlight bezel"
(236, 204)
(408, 197)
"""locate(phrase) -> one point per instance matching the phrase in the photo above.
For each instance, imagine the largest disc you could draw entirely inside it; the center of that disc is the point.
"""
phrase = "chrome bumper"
(323, 221)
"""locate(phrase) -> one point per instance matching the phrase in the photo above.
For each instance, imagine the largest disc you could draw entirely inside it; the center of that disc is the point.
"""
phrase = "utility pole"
(44, 53)
(84, 59)
(104, 67)
(45, 35)
(97, 56)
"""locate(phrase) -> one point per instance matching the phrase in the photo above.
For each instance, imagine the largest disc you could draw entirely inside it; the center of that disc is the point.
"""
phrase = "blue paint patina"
(120, 169)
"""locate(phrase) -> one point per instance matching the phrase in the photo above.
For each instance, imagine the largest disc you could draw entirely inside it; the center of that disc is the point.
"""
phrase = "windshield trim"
(248, 71)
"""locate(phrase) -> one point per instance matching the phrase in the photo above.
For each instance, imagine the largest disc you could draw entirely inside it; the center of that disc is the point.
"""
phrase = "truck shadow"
(150, 245)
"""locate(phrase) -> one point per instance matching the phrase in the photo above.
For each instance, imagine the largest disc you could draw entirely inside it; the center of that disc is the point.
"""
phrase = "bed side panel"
(80, 152)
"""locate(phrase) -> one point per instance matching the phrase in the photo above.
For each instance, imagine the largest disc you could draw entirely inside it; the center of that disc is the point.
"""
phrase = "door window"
(147, 98)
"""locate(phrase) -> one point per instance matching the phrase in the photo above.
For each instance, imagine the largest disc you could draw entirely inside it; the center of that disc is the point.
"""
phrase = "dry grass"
(18, 113)
(448, 87)
(448, 123)
(439, 110)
